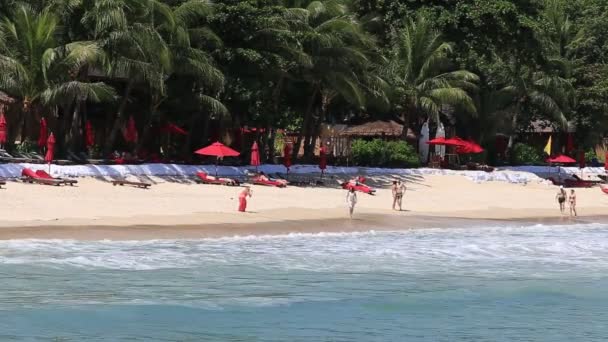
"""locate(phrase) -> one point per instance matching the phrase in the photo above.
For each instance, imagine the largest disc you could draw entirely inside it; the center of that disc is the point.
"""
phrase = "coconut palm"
(423, 76)
(338, 49)
(25, 36)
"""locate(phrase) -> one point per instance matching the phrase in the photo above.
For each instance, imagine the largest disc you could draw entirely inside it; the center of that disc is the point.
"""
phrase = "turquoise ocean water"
(539, 283)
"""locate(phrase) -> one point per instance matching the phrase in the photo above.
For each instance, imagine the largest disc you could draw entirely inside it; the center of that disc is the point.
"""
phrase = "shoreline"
(365, 222)
(96, 210)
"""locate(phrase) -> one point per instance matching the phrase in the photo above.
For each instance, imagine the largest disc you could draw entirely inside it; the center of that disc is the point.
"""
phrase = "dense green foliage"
(483, 66)
(382, 153)
(526, 155)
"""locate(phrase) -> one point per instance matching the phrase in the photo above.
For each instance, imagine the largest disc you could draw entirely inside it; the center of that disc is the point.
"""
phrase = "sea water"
(538, 283)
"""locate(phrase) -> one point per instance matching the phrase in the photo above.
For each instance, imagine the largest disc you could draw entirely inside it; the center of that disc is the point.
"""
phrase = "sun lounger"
(206, 179)
(122, 182)
(358, 186)
(29, 176)
(261, 180)
(2, 182)
(44, 175)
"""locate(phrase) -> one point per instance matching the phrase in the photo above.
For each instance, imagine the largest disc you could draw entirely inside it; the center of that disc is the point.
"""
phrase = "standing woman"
(572, 201)
(243, 198)
(351, 200)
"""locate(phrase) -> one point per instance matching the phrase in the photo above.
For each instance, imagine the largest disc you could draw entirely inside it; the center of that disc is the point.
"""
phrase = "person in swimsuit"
(351, 200)
(572, 201)
(561, 199)
(398, 192)
(243, 198)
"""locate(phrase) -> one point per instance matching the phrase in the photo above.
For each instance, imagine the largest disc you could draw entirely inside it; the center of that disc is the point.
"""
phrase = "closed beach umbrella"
(469, 147)
(50, 150)
(218, 150)
(255, 155)
(439, 149)
(43, 136)
(131, 130)
(322, 159)
(2, 129)
(581, 159)
(287, 156)
(423, 147)
(606, 161)
(89, 134)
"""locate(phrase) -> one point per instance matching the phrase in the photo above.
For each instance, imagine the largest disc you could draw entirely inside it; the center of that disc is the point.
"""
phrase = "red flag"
(89, 134)
(50, 149)
(287, 156)
(323, 158)
(255, 155)
(2, 128)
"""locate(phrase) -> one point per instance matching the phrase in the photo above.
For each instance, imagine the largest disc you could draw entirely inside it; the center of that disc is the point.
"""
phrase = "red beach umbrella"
(455, 141)
(436, 141)
(469, 147)
(174, 129)
(218, 150)
(2, 129)
(89, 134)
(323, 159)
(43, 136)
(561, 159)
(287, 156)
(131, 131)
(255, 155)
(50, 150)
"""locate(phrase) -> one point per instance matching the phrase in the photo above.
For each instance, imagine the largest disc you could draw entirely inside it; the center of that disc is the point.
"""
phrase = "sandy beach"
(95, 209)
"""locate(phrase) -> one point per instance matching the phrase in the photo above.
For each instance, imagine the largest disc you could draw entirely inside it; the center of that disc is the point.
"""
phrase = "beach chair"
(203, 178)
(263, 180)
(65, 181)
(29, 176)
(2, 182)
(358, 186)
(121, 182)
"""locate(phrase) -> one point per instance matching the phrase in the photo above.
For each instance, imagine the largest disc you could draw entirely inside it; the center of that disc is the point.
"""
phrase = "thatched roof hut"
(378, 128)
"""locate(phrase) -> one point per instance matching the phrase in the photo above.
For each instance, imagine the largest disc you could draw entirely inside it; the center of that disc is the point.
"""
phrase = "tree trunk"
(119, 120)
(305, 124)
(271, 139)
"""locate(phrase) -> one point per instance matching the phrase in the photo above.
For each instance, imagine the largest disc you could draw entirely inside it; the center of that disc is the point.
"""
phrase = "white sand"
(97, 203)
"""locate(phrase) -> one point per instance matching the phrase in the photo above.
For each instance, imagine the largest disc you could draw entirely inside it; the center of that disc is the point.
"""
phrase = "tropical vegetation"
(214, 68)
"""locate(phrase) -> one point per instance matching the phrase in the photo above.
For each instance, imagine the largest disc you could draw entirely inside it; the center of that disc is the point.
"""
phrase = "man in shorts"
(398, 189)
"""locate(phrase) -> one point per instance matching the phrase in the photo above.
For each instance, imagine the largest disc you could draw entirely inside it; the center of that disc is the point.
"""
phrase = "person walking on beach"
(398, 192)
(243, 198)
(572, 201)
(561, 199)
(351, 200)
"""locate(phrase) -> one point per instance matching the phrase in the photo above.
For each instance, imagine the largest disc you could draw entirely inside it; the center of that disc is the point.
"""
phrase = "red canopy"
(131, 130)
(50, 149)
(561, 159)
(287, 156)
(89, 134)
(217, 149)
(323, 158)
(255, 155)
(173, 128)
(44, 135)
(455, 141)
(2, 129)
(469, 147)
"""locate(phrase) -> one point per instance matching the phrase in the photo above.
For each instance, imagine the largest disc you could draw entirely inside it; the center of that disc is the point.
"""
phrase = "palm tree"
(25, 36)
(422, 74)
(338, 49)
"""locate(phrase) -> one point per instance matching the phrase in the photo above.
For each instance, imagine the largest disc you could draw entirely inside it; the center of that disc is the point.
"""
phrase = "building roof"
(376, 129)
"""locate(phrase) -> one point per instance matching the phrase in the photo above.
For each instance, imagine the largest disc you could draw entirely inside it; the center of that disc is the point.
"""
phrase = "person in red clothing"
(243, 198)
